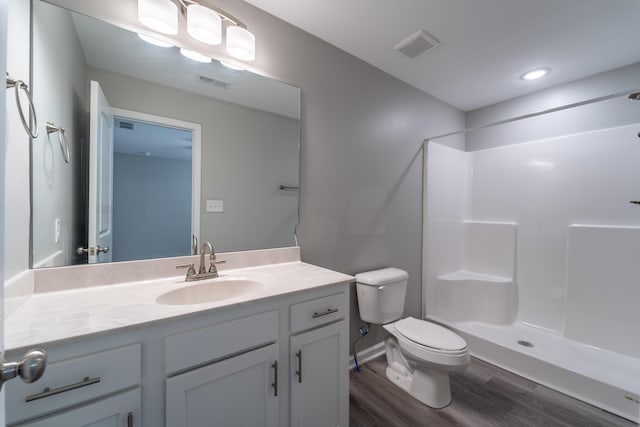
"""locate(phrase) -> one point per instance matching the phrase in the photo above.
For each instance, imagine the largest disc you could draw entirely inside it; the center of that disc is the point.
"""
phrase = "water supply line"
(364, 330)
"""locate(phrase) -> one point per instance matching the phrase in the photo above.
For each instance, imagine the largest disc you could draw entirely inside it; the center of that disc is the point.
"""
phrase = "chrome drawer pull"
(274, 384)
(324, 313)
(299, 371)
(51, 392)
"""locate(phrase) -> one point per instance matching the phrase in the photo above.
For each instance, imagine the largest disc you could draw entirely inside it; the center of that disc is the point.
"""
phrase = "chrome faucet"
(203, 272)
(212, 258)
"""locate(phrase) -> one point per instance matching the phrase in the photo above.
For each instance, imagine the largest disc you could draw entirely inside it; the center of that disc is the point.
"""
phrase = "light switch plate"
(215, 206)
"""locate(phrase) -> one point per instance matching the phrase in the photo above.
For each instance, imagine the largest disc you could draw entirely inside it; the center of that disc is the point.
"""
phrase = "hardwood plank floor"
(483, 396)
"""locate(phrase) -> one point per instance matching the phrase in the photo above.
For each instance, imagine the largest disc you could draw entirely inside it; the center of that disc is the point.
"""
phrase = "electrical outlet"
(215, 206)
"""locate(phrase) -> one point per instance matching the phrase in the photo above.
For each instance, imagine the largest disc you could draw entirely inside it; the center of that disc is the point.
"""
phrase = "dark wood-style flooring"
(483, 396)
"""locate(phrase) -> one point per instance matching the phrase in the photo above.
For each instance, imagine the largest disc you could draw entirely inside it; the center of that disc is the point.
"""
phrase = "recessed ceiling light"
(153, 41)
(535, 74)
(196, 56)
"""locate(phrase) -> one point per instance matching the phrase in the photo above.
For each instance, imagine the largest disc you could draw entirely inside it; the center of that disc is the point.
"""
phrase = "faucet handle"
(191, 268)
(212, 264)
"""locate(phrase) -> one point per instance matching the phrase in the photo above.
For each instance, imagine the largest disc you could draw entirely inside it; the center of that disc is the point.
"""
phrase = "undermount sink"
(209, 291)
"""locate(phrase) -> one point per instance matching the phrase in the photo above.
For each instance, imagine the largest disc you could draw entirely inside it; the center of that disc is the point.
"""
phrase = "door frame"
(196, 150)
(3, 127)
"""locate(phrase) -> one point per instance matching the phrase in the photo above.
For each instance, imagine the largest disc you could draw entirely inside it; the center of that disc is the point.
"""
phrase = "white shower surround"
(577, 237)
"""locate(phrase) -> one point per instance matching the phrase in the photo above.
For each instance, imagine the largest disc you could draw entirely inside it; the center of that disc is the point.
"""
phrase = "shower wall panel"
(547, 185)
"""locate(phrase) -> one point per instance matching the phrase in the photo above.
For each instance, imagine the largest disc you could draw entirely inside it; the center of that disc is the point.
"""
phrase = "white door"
(3, 69)
(100, 177)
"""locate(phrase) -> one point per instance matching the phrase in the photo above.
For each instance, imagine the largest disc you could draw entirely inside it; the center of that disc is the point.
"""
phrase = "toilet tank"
(381, 294)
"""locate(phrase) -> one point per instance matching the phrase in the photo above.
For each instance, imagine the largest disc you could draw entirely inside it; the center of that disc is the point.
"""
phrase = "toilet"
(420, 354)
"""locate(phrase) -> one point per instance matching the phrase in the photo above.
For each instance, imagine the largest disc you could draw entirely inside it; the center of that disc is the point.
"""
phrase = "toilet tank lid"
(382, 277)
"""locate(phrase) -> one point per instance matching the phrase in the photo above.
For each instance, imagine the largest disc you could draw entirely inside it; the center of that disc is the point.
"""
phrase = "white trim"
(196, 150)
(367, 354)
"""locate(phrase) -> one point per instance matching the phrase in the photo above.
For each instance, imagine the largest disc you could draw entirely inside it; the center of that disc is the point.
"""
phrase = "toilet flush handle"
(380, 287)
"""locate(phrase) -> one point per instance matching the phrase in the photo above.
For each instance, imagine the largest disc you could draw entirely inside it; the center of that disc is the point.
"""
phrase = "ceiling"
(150, 140)
(485, 45)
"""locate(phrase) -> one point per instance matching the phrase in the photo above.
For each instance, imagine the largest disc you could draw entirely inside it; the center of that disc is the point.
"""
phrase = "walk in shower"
(532, 244)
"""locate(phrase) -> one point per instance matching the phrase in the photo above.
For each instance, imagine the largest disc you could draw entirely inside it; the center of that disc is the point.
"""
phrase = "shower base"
(602, 378)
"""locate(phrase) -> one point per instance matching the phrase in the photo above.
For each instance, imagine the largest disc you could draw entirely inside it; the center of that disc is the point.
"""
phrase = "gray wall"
(17, 172)
(603, 114)
(361, 159)
(151, 209)
(361, 163)
(246, 155)
(58, 91)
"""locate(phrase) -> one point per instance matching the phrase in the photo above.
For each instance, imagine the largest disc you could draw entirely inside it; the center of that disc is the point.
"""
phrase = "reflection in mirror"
(229, 184)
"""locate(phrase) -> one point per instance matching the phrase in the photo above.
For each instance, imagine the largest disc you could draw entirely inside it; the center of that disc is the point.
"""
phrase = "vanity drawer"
(319, 311)
(204, 345)
(75, 380)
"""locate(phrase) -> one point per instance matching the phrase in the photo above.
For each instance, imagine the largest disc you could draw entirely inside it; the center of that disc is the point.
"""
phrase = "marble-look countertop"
(67, 315)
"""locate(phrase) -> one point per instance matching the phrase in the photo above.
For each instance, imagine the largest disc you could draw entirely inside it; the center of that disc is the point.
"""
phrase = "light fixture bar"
(224, 15)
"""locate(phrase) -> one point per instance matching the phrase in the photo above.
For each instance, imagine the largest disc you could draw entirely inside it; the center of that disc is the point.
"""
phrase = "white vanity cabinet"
(239, 391)
(121, 410)
(74, 388)
(235, 390)
(318, 374)
(228, 366)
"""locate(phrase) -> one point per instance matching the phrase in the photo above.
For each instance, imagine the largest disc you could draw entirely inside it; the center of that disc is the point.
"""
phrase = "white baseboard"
(367, 354)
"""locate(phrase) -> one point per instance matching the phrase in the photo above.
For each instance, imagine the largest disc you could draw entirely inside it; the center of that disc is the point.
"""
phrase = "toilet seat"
(434, 337)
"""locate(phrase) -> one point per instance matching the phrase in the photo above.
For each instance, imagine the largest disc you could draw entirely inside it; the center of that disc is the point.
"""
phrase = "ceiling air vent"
(125, 125)
(416, 44)
(214, 82)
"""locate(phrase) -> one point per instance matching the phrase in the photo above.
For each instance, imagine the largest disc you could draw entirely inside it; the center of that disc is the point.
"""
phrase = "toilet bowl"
(420, 354)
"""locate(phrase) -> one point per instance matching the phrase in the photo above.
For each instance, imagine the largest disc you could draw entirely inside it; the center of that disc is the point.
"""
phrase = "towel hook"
(19, 84)
(62, 139)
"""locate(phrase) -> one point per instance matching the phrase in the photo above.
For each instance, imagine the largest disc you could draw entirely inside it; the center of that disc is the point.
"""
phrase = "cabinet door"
(121, 410)
(239, 391)
(319, 377)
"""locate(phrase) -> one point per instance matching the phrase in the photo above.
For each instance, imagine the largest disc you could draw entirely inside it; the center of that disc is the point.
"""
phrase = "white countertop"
(68, 314)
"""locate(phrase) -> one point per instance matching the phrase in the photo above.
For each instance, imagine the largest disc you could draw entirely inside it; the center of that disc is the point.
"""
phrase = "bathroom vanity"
(125, 354)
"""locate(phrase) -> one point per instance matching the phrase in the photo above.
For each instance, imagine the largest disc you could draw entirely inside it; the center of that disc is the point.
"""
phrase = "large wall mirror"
(184, 150)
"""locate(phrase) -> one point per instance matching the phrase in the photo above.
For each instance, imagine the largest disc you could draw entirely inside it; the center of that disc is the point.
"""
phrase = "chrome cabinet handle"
(274, 384)
(324, 313)
(30, 368)
(299, 371)
(47, 392)
(130, 419)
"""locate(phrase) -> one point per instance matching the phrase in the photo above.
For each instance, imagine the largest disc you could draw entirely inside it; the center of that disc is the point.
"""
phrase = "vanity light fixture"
(205, 23)
(154, 41)
(195, 56)
(535, 74)
(241, 43)
(159, 15)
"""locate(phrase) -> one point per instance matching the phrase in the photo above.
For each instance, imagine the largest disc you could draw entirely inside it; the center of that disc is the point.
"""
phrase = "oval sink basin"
(209, 291)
